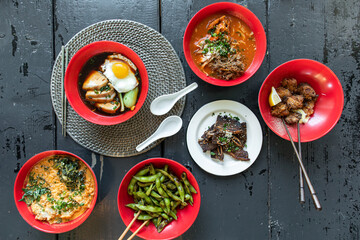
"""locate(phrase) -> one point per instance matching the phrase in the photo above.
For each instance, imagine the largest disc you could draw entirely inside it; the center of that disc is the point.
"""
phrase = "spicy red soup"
(222, 46)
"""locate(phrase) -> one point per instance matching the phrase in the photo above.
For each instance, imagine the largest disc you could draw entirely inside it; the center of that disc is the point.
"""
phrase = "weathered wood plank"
(26, 115)
(70, 18)
(324, 31)
(231, 206)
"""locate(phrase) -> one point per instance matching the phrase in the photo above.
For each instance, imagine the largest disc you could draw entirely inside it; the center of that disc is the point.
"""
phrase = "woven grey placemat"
(166, 75)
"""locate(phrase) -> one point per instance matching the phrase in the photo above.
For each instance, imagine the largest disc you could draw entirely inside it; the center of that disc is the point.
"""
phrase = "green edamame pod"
(145, 197)
(170, 186)
(158, 221)
(146, 179)
(149, 190)
(144, 184)
(180, 189)
(167, 204)
(166, 168)
(176, 204)
(144, 217)
(155, 195)
(131, 186)
(159, 189)
(132, 206)
(173, 215)
(133, 180)
(163, 206)
(162, 178)
(187, 183)
(176, 198)
(154, 220)
(189, 198)
(165, 216)
(166, 174)
(148, 208)
(156, 202)
(152, 169)
(142, 172)
(162, 225)
(131, 97)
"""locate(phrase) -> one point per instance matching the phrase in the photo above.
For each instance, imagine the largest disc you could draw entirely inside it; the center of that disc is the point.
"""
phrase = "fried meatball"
(283, 92)
(289, 83)
(295, 102)
(293, 118)
(309, 107)
(306, 90)
(280, 110)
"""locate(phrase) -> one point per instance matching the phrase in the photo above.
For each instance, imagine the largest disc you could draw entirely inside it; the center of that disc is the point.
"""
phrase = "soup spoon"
(163, 104)
(170, 126)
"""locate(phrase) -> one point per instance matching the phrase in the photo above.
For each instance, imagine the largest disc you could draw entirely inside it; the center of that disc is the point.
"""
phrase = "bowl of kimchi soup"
(224, 44)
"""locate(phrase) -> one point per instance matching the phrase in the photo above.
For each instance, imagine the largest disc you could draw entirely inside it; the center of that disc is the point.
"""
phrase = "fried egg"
(120, 74)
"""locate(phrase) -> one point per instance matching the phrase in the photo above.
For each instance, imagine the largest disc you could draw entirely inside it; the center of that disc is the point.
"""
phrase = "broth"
(240, 38)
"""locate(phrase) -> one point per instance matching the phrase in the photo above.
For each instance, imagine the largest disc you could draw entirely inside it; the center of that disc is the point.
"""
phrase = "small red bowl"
(186, 216)
(245, 15)
(25, 211)
(72, 87)
(328, 107)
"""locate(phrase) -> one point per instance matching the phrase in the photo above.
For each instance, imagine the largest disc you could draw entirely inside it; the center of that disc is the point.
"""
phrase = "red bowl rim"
(79, 106)
(179, 165)
(331, 73)
(260, 51)
(59, 229)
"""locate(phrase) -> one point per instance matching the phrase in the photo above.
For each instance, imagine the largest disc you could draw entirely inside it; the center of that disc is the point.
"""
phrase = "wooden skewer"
(307, 179)
(301, 179)
(129, 226)
(137, 230)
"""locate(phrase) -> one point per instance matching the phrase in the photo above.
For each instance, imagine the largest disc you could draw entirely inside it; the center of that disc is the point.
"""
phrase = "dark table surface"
(260, 203)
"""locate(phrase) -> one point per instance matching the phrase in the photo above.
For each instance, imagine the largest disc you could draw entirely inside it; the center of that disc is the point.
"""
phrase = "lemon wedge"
(274, 97)
(304, 118)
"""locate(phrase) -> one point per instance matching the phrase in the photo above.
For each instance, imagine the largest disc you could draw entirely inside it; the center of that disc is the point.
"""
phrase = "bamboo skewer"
(137, 230)
(301, 179)
(129, 226)
(307, 179)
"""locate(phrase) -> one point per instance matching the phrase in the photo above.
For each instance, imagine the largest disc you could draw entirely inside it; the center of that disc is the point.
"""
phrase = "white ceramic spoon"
(170, 126)
(163, 104)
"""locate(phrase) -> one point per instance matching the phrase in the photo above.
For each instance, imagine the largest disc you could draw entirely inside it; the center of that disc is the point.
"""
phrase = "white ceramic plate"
(204, 118)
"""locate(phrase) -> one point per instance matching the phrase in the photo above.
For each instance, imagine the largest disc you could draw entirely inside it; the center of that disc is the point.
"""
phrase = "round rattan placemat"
(166, 75)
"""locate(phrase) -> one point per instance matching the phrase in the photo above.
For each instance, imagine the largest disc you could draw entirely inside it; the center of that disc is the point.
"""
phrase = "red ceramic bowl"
(186, 216)
(328, 107)
(245, 15)
(72, 86)
(25, 211)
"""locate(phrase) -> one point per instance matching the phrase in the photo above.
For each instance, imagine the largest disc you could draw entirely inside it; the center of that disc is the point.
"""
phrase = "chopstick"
(307, 179)
(129, 226)
(64, 62)
(137, 230)
(301, 179)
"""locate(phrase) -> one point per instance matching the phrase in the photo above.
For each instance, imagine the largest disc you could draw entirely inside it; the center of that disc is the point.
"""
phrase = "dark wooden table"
(260, 203)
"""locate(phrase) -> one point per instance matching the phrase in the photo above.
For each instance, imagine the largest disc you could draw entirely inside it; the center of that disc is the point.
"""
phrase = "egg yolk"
(120, 69)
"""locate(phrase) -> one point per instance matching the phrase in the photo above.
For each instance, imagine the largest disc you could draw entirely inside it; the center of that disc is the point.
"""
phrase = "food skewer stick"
(307, 179)
(129, 226)
(301, 179)
(137, 230)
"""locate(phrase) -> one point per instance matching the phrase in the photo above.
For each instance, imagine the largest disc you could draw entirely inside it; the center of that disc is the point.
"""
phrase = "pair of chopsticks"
(303, 171)
(64, 63)
(129, 226)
